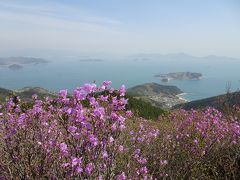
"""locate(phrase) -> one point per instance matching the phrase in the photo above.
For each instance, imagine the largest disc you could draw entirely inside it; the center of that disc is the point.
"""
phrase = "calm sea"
(68, 74)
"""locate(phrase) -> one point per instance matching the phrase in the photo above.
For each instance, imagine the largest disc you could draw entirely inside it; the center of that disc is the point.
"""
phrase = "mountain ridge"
(181, 55)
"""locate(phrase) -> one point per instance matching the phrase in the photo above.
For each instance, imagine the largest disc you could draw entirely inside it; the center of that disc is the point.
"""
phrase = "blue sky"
(197, 27)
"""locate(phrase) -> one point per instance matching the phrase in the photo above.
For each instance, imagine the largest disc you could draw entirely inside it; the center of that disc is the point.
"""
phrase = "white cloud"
(53, 14)
(25, 26)
(52, 22)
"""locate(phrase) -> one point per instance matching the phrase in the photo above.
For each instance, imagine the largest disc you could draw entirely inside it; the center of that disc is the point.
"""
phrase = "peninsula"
(162, 96)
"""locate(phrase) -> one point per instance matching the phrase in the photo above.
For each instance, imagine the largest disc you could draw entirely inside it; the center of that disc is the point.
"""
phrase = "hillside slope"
(25, 93)
(4, 93)
(151, 89)
(220, 102)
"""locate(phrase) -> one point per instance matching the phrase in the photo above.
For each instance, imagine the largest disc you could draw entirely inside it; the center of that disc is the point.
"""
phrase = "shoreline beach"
(180, 96)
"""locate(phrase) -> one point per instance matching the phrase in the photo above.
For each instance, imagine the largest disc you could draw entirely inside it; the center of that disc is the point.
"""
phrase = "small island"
(179, 76)
(15, 67)
(90, 60)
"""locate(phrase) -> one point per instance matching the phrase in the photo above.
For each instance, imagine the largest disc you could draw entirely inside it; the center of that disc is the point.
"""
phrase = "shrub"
(75, 136)
(91, 135)
(197, 145)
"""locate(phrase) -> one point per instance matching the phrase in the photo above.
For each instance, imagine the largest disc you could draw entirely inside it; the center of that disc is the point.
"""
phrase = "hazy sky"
(197, 27)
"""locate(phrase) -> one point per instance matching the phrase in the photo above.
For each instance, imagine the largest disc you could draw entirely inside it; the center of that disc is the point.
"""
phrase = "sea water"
(218, 76)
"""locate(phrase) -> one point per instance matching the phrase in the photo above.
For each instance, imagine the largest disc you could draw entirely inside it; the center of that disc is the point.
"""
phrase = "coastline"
(180, 96)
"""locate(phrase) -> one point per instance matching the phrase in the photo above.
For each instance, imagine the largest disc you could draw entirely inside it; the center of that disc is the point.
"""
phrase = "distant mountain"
(159, 95)
(214, 57)
(177, 56)
(219, 102)
(162, 56)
